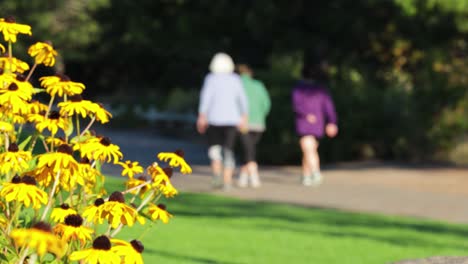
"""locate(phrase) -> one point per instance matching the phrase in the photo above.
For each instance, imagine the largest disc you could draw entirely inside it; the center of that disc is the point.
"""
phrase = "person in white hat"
(222, 111)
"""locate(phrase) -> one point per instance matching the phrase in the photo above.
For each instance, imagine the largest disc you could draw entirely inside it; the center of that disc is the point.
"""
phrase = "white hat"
(221, 63)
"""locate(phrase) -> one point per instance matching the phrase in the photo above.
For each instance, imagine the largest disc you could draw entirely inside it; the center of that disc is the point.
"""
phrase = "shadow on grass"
(401, 231)
(186, 258)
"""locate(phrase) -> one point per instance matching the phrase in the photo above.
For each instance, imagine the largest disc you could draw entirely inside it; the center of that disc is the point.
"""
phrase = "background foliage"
(399, 67)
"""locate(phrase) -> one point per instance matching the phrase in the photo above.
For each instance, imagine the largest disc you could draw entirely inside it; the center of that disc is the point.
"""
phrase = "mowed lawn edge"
(214, 229)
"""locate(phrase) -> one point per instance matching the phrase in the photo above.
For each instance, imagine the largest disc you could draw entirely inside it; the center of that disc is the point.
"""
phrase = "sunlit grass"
(213, 229)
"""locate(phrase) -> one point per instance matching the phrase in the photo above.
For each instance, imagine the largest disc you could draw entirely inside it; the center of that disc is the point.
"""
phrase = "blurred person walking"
(259, 106)
(315, 117)
(222, 112)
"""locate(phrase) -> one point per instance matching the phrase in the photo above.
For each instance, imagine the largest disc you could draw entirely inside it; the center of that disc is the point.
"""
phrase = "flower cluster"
(53, 203)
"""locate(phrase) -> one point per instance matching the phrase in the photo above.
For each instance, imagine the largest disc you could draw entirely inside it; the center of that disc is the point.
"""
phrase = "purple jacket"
(312, 98)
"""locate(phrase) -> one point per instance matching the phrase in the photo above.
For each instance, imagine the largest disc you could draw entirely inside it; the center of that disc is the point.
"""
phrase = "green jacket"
(258, 101)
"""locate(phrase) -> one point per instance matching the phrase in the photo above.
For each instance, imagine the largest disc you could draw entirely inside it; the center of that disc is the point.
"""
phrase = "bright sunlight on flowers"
(53, 204)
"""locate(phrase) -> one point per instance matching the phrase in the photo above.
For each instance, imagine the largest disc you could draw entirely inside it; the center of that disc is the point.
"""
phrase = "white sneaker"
(314, 180)
(255, 181)
(243, 180)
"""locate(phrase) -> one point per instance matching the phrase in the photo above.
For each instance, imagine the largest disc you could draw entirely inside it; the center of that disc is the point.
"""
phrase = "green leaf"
(69, 130)
(23, 144)
(39, 90)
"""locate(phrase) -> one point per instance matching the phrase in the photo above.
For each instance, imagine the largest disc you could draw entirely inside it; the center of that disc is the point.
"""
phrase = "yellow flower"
(13, 64)
(102, 150)
(158, 212)
(100, 253)
(39, 238)
(158, 174)
(134, 182)
(72, 229)
(76, 105)
(53, 122)
(168, 189)
(59, 213)
(61, 85)
(36, 107)
(14, 161)
(117, 212)
(24, 190)
(102, 115)
(130, 252)
(130, 168)
(176, 159)
(43, 53)
(90, 176)
(6, 127)
(10, 29)
(49, 164)
(15, 98)
(92, 213)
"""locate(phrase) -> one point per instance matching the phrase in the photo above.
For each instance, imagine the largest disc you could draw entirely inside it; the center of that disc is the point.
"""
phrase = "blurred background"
(398, 68)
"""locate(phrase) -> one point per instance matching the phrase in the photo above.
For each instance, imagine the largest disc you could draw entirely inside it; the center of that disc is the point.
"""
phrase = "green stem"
(78, 127)
(31, 71)
(51, 195)
(88, 126)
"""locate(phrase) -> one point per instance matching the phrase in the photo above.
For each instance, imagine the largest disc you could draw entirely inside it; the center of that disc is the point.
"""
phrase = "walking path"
(439, 193)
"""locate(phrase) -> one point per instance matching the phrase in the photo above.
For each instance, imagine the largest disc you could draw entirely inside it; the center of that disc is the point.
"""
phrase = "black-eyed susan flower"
(102, 150)
(40, 238)
(14, 161)
(130, 168)
(52, 123)
(15, 98)
(61, 161)
(157, 173)
(167, 189)
(10, 29)
(6, 127)
(159, 212)
(73, 229)
(61, 85)
(100, 253)
(90, 176)
(101, 114)
(13, 64)
(176, 159)
(43, 53)
(129, 251)
(36, 107)
(24, 190)
(117, 212)
(59, 213)
(77, 106)
(135, 182)
(92, 213)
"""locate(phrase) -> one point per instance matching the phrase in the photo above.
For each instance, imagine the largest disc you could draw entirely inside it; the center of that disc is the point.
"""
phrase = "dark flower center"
(43, 226)
(105, 141)
(10, 19)
(66, 149)
(168, 171)
(162, 206)
(21, 77)
(13, 87)
(13, 147)
(98, 202)
(63, 77)
(141, 178)
(16, 179)
(74, 220)
(84, 160)
(179, 153)
(117, 197)
(28, 180)
(76, 98)
(137, 245)
(1, 71)
(54, 115)
(64, 206)
(102, 242)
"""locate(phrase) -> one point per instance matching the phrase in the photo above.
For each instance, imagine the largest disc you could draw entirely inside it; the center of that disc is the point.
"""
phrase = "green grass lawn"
(213, 229)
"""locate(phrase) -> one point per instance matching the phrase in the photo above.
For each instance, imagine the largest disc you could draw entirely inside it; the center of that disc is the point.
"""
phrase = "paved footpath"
(439, 193)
